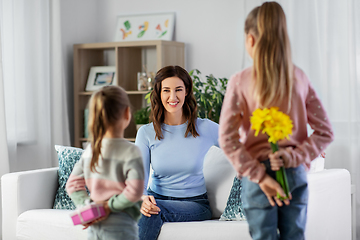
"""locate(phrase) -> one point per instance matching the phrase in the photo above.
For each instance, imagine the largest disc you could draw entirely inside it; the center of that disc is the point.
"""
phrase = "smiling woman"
(174, 144)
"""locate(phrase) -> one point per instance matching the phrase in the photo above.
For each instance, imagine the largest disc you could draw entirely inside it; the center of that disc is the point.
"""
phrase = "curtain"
(325, 43)
(59, 95)
(4, 157)
(35, 97)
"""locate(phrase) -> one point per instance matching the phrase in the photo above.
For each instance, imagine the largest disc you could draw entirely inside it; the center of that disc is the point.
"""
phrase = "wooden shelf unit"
(128, 61)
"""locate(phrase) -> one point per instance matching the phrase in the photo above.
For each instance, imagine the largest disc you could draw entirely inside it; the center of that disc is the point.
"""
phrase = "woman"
(175, 144)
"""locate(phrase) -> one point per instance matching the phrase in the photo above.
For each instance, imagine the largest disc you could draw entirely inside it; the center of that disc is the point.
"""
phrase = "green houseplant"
(209, 95)
(141, 116)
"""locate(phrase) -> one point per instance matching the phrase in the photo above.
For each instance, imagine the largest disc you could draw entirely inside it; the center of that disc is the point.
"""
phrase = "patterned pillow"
(67, 156)
(234, 210)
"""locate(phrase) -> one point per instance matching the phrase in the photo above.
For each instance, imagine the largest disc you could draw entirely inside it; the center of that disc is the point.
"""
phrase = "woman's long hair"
(273, 68)
(106, 107)
(157, 114)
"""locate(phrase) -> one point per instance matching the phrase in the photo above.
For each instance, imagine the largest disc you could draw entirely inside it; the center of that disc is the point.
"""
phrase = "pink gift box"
(87, 213)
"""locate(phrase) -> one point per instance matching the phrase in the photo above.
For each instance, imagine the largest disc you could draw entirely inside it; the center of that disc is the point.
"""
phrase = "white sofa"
(28, 198)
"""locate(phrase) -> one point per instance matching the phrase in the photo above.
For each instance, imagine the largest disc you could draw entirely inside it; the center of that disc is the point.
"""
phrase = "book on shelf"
(86, 118)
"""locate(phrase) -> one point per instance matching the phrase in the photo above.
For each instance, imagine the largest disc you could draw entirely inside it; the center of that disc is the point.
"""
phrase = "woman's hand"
(148, 206)
(107, 213)
(271, 187)
(280, 158)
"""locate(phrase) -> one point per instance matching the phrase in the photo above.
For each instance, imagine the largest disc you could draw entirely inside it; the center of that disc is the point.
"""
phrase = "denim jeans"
(270, 223)
(173, 210)
(117, 226)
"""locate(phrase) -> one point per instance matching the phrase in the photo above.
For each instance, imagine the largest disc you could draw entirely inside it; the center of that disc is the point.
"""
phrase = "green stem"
(281, 175)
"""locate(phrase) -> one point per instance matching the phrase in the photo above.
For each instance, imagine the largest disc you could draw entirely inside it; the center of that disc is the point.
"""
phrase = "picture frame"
(100, 76)
(152, 26)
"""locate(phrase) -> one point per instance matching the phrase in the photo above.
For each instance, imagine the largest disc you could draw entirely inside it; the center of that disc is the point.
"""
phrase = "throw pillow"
(67, 157)
(234, 209)
(219, 176)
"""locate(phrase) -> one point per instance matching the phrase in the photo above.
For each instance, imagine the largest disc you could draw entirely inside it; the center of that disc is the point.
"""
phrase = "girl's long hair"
(273, 68)
(157, 114)
(106, 108)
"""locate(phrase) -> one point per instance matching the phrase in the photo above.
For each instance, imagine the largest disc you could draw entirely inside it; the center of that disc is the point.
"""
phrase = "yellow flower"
(258, 118)
(276, 124)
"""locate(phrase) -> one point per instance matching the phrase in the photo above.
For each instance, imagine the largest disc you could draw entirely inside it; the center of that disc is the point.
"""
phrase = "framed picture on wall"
(100, 76)
(145, 27)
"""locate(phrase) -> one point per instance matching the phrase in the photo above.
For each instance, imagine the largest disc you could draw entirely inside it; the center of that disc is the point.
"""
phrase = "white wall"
(78, 25)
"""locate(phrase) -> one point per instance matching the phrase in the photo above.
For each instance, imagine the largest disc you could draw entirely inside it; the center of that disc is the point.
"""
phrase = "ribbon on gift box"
(98, 210)
(78, 210)
(78, 213)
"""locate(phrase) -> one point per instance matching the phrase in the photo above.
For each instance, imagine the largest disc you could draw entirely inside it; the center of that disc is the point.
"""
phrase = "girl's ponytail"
(272, 57)
(97, 128)
(106, 107)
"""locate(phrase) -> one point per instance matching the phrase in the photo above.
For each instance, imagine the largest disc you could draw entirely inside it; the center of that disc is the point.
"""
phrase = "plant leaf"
(209, 94)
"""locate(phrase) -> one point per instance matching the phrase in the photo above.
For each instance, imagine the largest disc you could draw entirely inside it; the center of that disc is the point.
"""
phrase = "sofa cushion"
(54, 224)
(67, 157)
(210, 229)
(219, 175)
(234, 209)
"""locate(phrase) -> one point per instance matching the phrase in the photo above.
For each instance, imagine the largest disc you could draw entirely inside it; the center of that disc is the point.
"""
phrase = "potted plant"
(141, 116)
(209, 95)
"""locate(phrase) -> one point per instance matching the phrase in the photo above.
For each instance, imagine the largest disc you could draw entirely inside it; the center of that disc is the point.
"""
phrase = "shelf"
(85, 93)
(128, 92)
(136, 92)
(140, 44)
(85, 139)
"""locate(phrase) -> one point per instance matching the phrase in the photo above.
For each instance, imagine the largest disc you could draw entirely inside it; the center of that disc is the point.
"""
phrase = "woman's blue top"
(177, 162)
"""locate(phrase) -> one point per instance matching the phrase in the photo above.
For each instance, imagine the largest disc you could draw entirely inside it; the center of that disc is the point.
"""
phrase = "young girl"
(175, 144)
(110, 167)
(272, 81)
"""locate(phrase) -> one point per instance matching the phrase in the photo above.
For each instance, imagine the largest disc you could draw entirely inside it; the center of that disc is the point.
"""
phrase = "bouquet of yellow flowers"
(277, 126)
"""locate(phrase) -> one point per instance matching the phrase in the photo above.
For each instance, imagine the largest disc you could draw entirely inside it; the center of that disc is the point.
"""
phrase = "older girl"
(272, 81)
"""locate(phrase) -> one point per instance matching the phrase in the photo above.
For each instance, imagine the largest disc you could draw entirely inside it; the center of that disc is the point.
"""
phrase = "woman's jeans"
(117, 226)
(270, 223)
(173, 210)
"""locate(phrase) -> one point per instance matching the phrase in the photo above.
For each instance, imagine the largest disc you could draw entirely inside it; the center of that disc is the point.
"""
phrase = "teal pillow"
(67, 157)
(234, 209)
